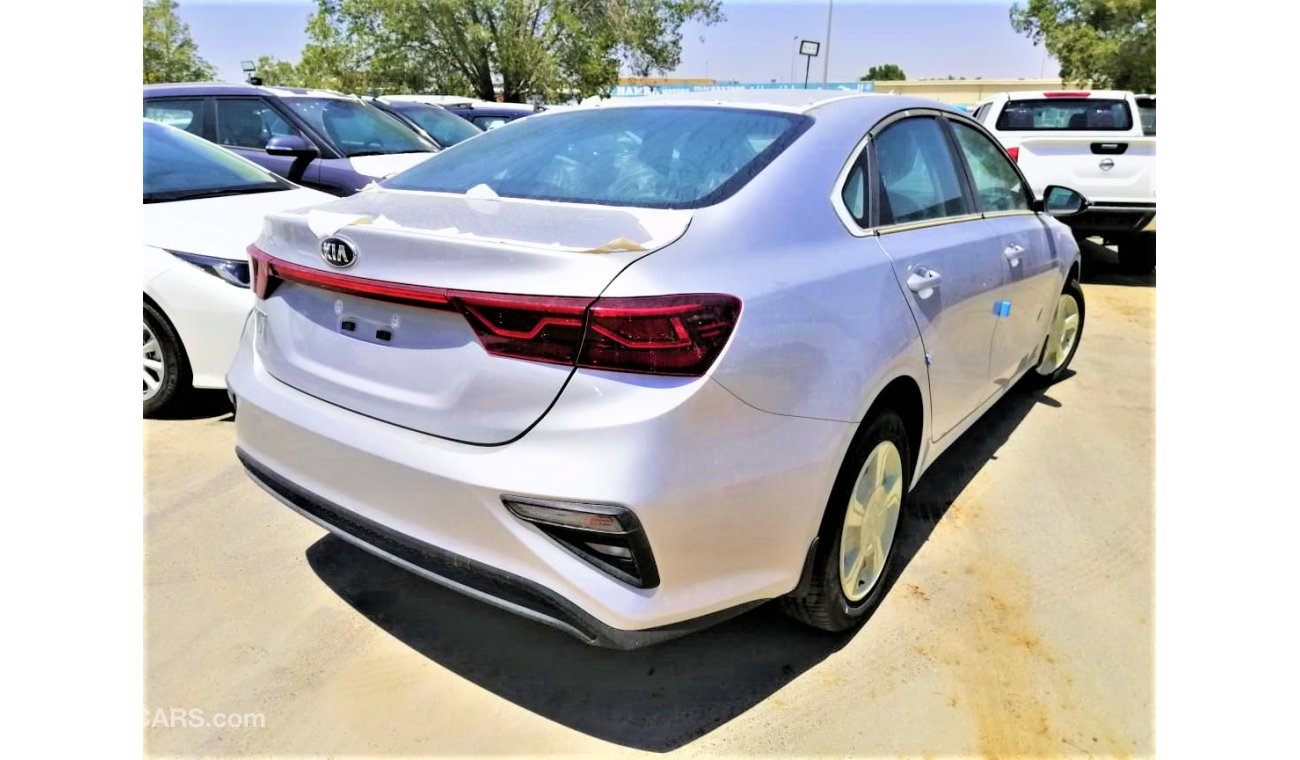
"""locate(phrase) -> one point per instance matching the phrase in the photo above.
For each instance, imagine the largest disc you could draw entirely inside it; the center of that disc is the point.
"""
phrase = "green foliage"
(885, 72)
(513, 48)
(273, 71)
(170, 54)
(1103, 43)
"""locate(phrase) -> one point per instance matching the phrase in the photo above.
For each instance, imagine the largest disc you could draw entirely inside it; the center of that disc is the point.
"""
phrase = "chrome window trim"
(857, 230)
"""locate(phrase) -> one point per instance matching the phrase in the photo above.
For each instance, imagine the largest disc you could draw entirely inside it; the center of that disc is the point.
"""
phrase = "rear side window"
(1062, 114)
(249, 123)
(186, 114)
(1147, 115)
(657, 157)
(918, 173)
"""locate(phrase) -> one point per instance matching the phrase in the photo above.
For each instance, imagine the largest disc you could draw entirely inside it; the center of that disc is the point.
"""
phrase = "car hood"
(221, 227)
(389, 163)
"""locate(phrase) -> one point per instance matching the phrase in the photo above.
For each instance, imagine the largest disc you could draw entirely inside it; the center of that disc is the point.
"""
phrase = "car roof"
(231, 88)
(788, 101)
(1066, 92)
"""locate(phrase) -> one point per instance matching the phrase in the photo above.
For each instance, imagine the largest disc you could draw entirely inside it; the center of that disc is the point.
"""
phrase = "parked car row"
(625, 369)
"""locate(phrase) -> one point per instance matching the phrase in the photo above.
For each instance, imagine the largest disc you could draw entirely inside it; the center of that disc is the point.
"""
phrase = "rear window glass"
(1073, 114)
(1147, 115)
(657, 157)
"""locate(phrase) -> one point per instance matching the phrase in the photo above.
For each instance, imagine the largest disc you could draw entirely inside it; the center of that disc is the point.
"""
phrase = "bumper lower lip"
(474, 579)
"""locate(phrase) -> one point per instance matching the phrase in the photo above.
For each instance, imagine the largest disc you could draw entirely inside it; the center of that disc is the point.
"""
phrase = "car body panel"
(445, 241)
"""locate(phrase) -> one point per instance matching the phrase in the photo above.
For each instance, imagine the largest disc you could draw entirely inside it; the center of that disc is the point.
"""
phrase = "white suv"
(1093, 142)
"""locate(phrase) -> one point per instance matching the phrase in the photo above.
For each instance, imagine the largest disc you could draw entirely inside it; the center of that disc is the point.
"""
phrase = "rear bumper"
(729, 496)
(1114, 218)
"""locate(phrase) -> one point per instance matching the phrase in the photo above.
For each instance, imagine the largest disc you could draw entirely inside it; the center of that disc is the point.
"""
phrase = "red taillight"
(662, 335)
(1014, 153)
(1067, 94)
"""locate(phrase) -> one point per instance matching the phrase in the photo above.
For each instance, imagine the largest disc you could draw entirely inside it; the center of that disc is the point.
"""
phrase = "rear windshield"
(1074, 114)
(657, 157)
(179, 166)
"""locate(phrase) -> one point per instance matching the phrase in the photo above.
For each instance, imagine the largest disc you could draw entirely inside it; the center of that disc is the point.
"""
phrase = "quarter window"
(998, 186)
(186, 114)
(854, 192)
(918, 174)
(249, 123)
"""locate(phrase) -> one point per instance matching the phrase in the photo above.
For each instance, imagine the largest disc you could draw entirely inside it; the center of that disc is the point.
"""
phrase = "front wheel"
(856, 545)
(1062, 340)
(166, 372)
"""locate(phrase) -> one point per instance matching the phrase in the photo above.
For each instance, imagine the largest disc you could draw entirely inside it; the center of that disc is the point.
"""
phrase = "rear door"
(947, 260)
(1030, 260)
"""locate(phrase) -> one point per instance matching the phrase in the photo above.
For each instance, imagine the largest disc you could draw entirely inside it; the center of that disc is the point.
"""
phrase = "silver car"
(633, 369)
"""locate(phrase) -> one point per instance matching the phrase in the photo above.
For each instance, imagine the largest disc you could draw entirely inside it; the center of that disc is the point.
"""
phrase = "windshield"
(658, 157)
(1076, 114)
(356, 129)
(179, 166)
(445, 127)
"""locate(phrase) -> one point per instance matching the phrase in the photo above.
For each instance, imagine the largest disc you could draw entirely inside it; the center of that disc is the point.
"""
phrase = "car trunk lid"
(330, 331)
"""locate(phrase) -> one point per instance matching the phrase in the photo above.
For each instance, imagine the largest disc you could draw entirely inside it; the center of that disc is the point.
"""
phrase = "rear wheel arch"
(903, 395)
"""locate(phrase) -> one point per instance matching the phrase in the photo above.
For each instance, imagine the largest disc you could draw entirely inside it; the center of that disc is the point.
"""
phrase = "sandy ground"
(1020, 623)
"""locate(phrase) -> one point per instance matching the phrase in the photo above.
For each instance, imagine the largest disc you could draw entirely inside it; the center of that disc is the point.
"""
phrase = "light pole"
(826, 59)
(793, 53)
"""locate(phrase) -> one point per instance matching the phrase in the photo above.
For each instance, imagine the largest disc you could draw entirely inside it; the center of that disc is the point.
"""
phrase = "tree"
(1103, 43)
(886, 72)
(273, 71)
(512, 48)
(170, 54)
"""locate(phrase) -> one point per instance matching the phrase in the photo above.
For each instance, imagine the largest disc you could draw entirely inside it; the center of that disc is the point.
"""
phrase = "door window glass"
(918, 176)
(249, 123)
(998, 186)
(186, 114)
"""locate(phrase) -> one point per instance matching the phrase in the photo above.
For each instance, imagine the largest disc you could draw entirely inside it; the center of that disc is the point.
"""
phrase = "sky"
(928, 39)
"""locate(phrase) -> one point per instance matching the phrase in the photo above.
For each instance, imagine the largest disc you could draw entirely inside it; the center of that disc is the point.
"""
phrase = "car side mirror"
(1062, 201)
(291, 145)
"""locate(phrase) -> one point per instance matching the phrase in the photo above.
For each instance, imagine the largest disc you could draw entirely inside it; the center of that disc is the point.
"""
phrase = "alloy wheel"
(155, 372)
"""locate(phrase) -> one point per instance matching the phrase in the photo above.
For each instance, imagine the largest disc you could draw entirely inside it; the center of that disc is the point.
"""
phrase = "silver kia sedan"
(632, 369)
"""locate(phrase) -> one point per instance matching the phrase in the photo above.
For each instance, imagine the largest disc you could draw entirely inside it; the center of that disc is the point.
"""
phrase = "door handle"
(1012, 252)
(923, 281)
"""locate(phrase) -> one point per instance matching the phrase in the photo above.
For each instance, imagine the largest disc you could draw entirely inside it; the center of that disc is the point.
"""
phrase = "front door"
(1031, 262)
(947, 260)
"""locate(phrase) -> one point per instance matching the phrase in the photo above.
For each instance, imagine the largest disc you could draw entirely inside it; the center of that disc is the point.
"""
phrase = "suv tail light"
(1014, 153)
(660, 335)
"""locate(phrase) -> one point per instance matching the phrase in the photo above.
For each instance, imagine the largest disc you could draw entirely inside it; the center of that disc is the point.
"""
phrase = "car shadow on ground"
(1101, 267)
(658, 698)
(199, 405)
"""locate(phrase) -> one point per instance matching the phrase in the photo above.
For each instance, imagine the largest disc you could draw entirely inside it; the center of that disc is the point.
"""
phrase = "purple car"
(317, 138)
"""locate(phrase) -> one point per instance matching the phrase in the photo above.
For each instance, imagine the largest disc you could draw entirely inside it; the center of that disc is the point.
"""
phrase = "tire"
(1137, 253)
(823, 602)
(1050, 369)
(173, 377)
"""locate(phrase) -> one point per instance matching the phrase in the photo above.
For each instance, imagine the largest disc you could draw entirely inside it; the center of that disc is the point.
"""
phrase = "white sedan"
(203, 205)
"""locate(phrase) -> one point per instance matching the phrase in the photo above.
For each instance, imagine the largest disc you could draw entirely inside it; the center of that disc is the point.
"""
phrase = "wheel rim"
(1061, 335)
(154, 369)
(870, 521)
